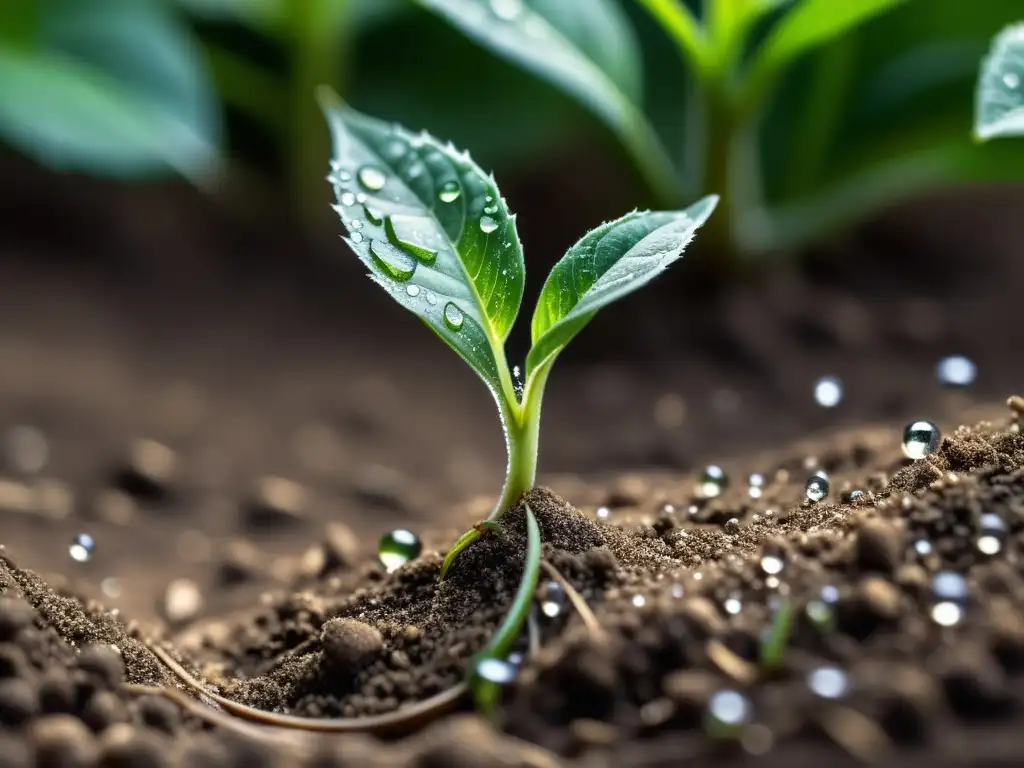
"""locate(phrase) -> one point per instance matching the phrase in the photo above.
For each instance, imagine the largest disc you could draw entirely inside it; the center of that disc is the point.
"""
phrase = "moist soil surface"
(880, 624)
(235, 430)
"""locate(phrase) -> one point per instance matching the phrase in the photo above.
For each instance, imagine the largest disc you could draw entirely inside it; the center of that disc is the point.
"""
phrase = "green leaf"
(810, 24)
(677, 20)
(610, 262)
(550, 47)
(434, 232)
(110, 87)
(1000, 99)
(68, 117)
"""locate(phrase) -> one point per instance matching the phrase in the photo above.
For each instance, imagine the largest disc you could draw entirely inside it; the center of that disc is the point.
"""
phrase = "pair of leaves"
(1000, 97)
(434, 232)
(109, 86)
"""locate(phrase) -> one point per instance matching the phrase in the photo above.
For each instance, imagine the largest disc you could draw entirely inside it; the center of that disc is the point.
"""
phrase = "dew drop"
(356, 224)
(856, 494)
(677, 590)
(397, 548)
(733, 605)
(453, 316)
(396, 264)
(1011, 80)
(828, 682)
(507, 10)
(552, 599)
(830, 594)
(491, 209)
(639, 601)
(431, 298)
(82, 548)
(356, 237)
(372, 178)
(828, 391)
(923, 547)
(412, 290)
(713, 481)
(488, 224)
(396, 148)
(347, 198)
(956, 372)
(449, 192)
(920, 439)
(817, 487)
(603, 513)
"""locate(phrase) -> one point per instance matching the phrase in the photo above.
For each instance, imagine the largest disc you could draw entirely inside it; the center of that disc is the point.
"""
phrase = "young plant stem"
(718, 134)
(485, 692)
(774, 646)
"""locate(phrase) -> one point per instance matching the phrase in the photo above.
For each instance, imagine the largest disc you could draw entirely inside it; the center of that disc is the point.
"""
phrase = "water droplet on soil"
(493, 670)
(920, 439)
(817, 487)
(828, 391)
(729, 709)
(552, 599)
(397, 548)
(82, 548)
(713, 481)
(923, 547)
(828, 682)
(950, 593)
(992, 533)
(772, 564)
(956, 372)
(755, 485)
(372, 178)
(603, 513)
(733, 605)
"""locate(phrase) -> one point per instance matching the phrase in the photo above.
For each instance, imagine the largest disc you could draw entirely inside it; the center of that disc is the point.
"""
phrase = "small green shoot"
(999, 109)
(433, 231)
(773, 646)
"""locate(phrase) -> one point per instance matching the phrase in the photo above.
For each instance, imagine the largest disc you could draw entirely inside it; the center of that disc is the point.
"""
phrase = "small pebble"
(150, 471)
(348, 644)
(103, 663)
(62, 741)
(182, 601)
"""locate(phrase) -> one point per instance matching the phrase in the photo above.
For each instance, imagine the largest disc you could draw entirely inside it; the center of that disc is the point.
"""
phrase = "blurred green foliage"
(803, 115)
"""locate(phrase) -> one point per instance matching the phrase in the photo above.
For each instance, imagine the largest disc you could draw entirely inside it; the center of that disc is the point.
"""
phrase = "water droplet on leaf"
(507, 10)
(449, 192)
(1011, 80)
(396, 264)
(372, 178)
(347, 198)
(487, 224)
(413, 290)
(453, 316)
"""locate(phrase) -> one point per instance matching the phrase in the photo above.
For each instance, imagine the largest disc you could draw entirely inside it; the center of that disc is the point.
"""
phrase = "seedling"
(434, 232)
(1000, 97)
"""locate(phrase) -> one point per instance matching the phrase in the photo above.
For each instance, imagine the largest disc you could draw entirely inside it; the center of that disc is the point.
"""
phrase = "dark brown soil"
(685, 590)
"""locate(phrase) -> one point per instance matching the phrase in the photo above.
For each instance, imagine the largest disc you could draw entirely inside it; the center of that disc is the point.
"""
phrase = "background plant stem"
(318, 57)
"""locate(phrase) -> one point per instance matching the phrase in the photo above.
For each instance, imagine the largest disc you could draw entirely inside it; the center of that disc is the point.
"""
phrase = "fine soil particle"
(880, 626)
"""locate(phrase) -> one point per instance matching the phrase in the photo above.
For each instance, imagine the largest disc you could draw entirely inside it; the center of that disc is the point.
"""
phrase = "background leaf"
(550, 46)
(110, 86)
(1000, 101)
(812, 23)
(608, 263)
(434, 233)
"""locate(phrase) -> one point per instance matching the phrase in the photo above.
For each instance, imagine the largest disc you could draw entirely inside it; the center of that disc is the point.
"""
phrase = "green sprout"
(776, 639)
(433, 231)
(999, 109)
